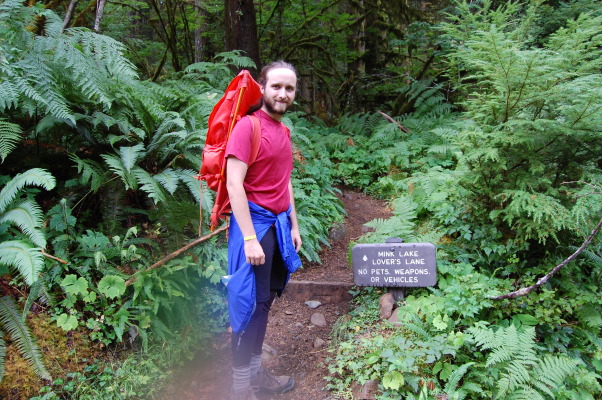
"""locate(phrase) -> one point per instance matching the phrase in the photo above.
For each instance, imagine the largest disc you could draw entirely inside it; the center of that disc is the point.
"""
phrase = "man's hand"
(254, 252)
(296, 236)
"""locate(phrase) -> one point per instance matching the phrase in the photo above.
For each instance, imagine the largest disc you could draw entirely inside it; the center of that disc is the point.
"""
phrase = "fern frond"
(552, 372)
(34, 176)
(36, 291)
(590, 316)
(107, 51)
(28, 260)
(401, 224)
(360, 124)
(169, 179)
(150, 185)
(178, 215)
(418, 328)
(517, 374)
(116, 165)
(527, 393)
(9, 95)
(91, 172)
(455, 377)
(130, 155)
(235, 58)
(10, 134)
(187, 176)
(9, 319)
(29, 218)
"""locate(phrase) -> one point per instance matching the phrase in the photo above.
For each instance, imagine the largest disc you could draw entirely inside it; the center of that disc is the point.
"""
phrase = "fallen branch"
(54, 258)
(527, 290)
(390, 119)
(178, 252)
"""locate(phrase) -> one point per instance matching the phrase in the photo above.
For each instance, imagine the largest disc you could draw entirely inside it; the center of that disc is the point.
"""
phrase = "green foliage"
(21, 249)
(520, 372)
(139, 375)
(10, 134)
(400, 224)
(11, 322)
(534, 119)
(315, 197)
(89, 60)
(400, 357)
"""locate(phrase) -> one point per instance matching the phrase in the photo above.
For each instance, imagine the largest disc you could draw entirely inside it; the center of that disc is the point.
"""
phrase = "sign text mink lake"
(394, 264)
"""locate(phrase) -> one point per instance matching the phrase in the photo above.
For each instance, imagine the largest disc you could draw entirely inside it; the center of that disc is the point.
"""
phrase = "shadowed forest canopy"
(478, 121)
(343, 50)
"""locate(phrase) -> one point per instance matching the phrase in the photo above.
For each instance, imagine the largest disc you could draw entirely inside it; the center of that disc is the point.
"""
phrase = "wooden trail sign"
(394, 264)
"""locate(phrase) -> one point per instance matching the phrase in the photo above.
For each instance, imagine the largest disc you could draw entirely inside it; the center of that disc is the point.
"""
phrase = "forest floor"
(298, 346)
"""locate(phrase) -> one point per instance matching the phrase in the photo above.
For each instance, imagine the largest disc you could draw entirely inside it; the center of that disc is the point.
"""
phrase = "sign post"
(394, 264)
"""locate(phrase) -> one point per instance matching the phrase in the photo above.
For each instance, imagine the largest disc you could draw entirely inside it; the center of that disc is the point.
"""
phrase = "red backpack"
(242, 93)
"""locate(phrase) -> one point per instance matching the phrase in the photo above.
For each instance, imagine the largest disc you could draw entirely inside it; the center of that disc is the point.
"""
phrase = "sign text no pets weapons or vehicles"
(394, 264)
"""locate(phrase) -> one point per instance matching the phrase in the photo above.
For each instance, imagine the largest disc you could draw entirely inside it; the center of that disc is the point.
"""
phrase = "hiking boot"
(248, 394)
(272, 384)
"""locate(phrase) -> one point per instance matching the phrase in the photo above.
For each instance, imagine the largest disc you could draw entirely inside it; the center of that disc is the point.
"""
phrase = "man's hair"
(263, 76)
(263, 79)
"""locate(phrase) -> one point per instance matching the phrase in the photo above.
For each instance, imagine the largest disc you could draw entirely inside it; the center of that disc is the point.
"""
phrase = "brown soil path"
(300, 345)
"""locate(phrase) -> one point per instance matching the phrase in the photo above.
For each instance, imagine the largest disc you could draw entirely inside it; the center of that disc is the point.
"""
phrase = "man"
(264, 233)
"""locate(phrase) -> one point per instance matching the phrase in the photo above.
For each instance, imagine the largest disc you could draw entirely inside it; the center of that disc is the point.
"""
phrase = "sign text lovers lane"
(394, 264)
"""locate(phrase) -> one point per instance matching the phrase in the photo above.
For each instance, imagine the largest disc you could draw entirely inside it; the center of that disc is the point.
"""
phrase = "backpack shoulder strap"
(255, 138)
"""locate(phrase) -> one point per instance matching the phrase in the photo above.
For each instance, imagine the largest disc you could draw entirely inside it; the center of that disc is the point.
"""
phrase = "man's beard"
(269, 105)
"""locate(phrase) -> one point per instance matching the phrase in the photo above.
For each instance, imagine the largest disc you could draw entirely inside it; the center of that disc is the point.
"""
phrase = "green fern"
(34, 176)
(91, 172)
(541, 215)
(28, 260)
(116, 166)
(401, 224)
(459, 393)
(235, 58)
(28, 216)
(10, 134)
(169, 179)
(130, 155)
(523, 373)
(37, 292)
(359, 124)
(150, 185)
(531, 117)
(10, 320)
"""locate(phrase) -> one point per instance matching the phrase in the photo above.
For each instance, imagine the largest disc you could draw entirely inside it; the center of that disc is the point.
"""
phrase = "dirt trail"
(300, 346)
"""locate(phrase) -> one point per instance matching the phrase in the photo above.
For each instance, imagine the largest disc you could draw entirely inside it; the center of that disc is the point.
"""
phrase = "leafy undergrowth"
(63, 353)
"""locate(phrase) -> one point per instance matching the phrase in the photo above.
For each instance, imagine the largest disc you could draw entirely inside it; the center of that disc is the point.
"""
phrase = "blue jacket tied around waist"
(241, 283)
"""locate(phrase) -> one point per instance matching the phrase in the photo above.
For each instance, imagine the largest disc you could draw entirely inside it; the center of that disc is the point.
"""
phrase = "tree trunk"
(241, 28)
(166, 29)
(200, 42)
(100, 9)
(69, 13)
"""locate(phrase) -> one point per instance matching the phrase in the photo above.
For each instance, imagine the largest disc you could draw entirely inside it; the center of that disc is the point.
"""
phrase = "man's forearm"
(240, 208)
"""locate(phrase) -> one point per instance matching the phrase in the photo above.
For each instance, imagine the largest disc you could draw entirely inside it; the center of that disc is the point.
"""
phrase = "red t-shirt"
(266, 182)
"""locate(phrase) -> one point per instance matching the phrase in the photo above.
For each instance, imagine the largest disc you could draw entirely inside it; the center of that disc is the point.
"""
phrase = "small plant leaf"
(67, 322)
(112, 286)
(393, 380)
(74, 285)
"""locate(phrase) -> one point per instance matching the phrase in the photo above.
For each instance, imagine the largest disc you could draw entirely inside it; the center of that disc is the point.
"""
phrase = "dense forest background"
(478, 120)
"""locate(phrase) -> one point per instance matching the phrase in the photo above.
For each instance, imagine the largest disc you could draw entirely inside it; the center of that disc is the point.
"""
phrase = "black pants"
(269, 281)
